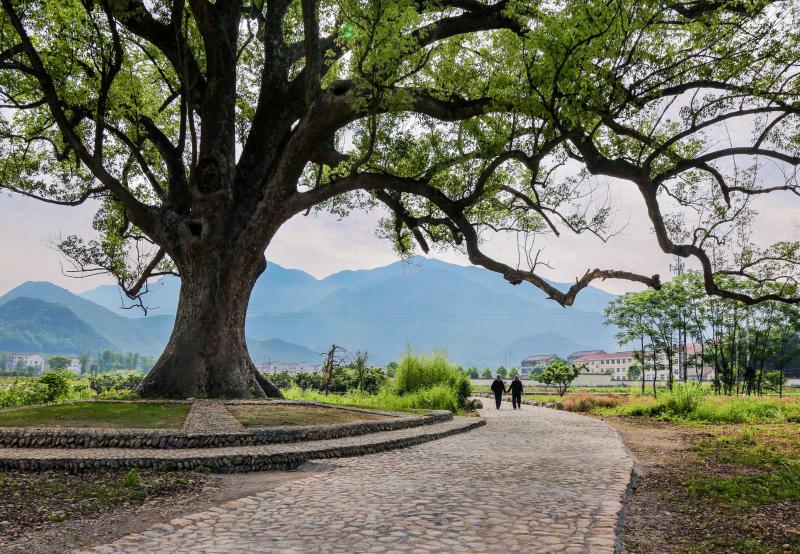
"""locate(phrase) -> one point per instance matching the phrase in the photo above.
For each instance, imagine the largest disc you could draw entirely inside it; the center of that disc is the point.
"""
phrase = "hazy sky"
(322, 245)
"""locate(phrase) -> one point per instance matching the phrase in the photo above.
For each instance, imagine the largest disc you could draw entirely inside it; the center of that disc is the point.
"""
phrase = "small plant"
(132, 479)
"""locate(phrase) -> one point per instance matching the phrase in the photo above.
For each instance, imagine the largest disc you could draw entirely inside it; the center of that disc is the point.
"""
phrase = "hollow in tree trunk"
(207, 355)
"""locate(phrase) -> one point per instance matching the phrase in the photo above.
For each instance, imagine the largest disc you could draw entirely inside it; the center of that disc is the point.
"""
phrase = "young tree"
(58, 363)
(334, 358)
(201, 127)
(487, 373)
(360, 367)
(559, 375)
(85, 359)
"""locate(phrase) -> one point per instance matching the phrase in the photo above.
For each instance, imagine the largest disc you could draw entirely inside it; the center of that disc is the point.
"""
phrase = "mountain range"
(473, 314)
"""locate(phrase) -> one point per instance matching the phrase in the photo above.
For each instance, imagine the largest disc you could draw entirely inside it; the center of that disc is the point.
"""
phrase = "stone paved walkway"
(533, 480)
(210, 416)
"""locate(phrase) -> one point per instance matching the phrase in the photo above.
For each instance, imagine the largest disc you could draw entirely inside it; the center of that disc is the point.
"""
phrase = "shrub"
(106, 383)
(462, 387)
(118, 394)
(56, 385)
(280, 379)
(23, 392)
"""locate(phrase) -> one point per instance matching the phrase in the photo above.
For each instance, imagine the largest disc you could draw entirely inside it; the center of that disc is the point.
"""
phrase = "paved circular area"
(533, 480)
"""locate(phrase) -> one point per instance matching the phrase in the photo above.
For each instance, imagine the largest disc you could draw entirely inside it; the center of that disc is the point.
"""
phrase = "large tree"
(201, 127)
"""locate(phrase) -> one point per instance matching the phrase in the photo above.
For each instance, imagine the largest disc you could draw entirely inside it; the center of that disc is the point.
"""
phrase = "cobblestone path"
(531, 480)
(210, 416)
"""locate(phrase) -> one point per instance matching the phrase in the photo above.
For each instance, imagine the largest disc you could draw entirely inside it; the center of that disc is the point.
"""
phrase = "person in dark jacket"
(498, 388)
(516, 392)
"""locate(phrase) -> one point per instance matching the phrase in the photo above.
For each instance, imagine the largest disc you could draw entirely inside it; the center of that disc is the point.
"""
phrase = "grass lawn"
(99, 414)
(713, 488)
(277, 415)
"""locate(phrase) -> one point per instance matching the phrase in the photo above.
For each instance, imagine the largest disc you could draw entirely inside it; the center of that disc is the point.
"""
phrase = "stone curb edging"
(291, 458)
(170, 439)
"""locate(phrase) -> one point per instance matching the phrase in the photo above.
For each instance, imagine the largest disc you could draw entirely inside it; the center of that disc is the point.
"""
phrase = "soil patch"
(122, 415)
(59, 512)
(279, 415)
(693, 493)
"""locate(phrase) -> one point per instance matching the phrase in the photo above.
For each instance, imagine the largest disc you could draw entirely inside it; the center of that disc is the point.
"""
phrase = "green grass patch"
(692, 403)
(765, 462)
(278, 415)
(751, 490)
(128, 415)
(439, 397)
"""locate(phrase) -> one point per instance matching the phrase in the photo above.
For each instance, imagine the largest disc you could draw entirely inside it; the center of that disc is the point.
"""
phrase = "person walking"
(516, 392)
(498, 388)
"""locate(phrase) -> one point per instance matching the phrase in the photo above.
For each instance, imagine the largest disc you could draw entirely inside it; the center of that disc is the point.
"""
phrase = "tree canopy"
(201, 127)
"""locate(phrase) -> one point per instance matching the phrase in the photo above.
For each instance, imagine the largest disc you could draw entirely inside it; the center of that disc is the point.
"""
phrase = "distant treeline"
(105, 362)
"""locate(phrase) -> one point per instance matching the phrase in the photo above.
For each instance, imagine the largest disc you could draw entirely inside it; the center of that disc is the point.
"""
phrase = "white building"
(39, 363)
(24, 361)
(615, 364)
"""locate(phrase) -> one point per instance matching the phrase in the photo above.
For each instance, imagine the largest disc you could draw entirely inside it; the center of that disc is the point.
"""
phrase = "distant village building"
(74, 365)
(615, 364)
(534, 364)
(24, 361)
(581, 353)
(292, 368)
(619, 364)
(38, 362)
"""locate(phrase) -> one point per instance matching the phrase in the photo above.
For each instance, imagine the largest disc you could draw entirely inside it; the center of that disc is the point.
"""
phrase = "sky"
(322, 244)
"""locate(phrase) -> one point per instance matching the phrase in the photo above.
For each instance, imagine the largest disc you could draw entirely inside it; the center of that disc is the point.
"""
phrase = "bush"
(280, 379)
(118, 394)
(107, 383)
(56, 385)
(462, 387)
(23, 392)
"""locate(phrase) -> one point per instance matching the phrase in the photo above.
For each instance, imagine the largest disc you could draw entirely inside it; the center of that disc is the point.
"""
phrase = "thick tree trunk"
(207, 355)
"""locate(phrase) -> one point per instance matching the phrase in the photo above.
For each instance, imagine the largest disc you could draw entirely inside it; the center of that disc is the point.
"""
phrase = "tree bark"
(207, 355)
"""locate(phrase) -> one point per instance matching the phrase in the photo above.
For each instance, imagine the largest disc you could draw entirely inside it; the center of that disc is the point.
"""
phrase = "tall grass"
(419, 371)
(422, 382)
(437, 397)
(690, 402)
